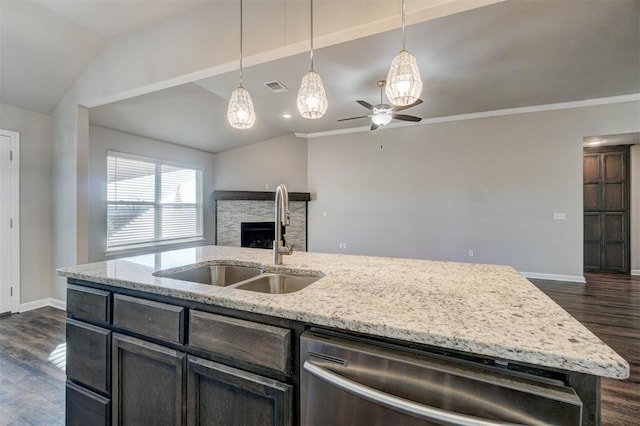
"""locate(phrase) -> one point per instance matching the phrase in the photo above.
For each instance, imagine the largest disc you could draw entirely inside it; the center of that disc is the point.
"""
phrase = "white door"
(8, 198)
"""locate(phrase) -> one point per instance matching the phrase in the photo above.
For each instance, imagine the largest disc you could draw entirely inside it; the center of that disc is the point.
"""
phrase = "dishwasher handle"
(402, 405)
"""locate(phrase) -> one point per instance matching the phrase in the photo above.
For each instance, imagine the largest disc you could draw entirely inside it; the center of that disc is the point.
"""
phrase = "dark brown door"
(606, 209)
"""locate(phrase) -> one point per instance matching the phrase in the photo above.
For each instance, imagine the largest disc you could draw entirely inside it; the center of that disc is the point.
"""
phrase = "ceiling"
(511, 54)
(45, 45)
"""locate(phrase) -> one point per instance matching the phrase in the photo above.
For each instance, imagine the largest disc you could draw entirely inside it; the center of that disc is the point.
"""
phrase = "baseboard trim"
(554, 277)
(48, 301)
(635, 272)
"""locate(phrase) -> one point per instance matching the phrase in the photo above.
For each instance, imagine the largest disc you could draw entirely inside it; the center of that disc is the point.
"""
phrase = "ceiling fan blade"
(366, 104)
(353, 118)
(405, 117)
(400, 108)
(374, 126)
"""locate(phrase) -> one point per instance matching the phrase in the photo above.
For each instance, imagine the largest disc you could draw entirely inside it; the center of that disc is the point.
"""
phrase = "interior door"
(6, 302)
(606, 209)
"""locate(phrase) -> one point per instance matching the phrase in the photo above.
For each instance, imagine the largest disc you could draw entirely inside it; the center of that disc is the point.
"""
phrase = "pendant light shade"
(240, 113)
(404, 84)
(312, 99)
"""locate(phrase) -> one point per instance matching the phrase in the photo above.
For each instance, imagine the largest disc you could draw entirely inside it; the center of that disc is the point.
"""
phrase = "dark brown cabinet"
(221, 395)
(606, 209)
(147, 383)
(127, 364)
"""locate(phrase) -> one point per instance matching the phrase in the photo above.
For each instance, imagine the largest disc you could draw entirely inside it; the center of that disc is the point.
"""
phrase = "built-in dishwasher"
(353, 381)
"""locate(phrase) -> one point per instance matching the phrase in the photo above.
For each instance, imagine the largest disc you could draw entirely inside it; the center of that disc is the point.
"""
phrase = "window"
(151, 202)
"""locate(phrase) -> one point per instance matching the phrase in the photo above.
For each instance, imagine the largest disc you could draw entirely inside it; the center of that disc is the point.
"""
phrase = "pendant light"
(404, 84)
(312, 99)
(240, 112)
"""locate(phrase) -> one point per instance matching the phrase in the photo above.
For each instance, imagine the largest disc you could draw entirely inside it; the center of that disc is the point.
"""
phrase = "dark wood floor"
(31, 349)
(32, 377)
(609, 306)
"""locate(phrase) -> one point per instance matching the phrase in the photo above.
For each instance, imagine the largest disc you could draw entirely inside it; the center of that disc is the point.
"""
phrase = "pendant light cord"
(311, 37)
(241, 42)
(403, 38)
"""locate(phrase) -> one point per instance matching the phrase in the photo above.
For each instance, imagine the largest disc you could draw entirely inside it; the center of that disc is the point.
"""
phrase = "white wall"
(102, 140)
(635, 209)
(35, 199)
(271, 162)
(438, 190)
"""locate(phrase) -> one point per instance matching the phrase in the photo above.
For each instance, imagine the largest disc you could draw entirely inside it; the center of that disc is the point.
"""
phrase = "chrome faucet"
(280, 246)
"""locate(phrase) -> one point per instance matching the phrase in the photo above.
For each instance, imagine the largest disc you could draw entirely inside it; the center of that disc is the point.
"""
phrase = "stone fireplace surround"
(234, 207)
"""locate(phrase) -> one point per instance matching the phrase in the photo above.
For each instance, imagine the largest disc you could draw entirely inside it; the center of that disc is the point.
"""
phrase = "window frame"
(157, 205)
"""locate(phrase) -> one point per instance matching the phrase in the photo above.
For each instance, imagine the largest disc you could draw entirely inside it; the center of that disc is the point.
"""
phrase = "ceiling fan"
(384, 113)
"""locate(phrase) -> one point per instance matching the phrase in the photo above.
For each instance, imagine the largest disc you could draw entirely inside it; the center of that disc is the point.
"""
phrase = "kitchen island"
(488, 311)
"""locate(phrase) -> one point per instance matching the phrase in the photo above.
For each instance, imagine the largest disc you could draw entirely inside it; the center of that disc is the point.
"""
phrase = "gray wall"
(271, 162)
(102, 140)
(635, 209)
(437, 191)
(35, 200)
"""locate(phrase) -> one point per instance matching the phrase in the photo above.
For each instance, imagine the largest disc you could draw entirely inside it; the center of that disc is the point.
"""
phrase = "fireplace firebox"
(257, 234)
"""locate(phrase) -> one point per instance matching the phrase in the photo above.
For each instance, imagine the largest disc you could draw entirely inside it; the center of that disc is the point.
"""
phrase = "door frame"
(14, 166)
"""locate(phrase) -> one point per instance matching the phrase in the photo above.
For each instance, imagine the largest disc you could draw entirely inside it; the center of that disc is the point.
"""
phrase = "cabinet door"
(147, 383)
(222, 395)
(89, 355)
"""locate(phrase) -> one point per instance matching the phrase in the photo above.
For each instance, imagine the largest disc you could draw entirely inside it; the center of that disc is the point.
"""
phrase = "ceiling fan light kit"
(312, 99)
(382, 114)
(240, 112)
(404, 84)
(381, 119)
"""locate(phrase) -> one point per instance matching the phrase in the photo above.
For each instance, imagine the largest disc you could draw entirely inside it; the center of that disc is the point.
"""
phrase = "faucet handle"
(286, 248)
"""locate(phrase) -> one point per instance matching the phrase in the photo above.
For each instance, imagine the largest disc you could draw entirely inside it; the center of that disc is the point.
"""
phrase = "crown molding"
(485, 114)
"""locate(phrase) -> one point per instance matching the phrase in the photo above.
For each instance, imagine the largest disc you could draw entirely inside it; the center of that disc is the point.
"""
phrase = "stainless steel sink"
(277, 283)
(218, 275)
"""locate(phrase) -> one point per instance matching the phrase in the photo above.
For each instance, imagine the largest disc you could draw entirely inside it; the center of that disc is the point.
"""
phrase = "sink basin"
(219, 275)
(277, 283)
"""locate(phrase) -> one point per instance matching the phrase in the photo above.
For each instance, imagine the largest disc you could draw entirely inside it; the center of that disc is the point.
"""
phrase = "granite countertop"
(489, 310)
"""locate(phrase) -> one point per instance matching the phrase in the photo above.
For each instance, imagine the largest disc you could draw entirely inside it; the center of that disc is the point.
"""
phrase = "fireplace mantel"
(257, 196)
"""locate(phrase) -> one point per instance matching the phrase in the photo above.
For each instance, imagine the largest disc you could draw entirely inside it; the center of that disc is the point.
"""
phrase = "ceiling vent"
(276, 86)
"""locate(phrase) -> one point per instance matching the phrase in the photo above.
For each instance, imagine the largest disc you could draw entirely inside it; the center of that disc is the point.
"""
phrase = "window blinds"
(151, 202)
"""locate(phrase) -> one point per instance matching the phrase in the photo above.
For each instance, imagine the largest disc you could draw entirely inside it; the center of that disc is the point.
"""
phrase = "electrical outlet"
(342, 246)
(266, 186)
(559, 216)
(471, 254)
(324, 214)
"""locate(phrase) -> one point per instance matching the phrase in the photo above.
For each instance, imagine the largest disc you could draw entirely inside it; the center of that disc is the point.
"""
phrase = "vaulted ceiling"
(511, 54)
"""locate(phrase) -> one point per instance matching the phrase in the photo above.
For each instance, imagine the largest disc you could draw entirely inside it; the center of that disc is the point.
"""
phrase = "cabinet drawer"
(88, 304)
(250, 342)
(152, 319)
(89, 355)
(84, 407)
